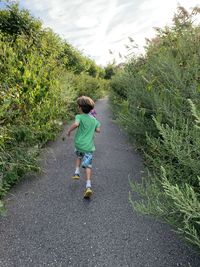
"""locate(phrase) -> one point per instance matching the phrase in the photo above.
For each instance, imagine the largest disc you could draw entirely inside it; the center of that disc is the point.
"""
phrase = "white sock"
(77, 170)
(88, 183)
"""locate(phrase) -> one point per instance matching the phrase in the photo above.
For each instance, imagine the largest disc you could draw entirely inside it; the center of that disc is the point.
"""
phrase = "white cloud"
(95, 26)
(87, 22)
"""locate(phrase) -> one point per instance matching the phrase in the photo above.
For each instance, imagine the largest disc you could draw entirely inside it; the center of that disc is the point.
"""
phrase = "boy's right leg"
(88, 191)
(87, 164)
(88, 172)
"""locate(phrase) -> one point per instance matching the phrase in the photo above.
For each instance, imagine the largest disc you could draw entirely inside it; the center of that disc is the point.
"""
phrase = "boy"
(84, 146)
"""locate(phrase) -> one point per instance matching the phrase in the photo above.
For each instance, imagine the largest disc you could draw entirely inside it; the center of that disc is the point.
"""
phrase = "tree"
(14, 21)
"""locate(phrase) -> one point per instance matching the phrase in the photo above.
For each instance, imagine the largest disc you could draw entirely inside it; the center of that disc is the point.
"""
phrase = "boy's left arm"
(72, 128)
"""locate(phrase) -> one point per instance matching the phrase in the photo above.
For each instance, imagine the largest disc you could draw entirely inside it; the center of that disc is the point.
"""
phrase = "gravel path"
(48, 222)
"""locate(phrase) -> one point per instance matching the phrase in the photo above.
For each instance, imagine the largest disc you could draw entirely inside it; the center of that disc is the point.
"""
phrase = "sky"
(98, 26)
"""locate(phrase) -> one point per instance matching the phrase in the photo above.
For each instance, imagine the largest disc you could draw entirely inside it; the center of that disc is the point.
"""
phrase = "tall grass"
(41, 76)
(157, 99)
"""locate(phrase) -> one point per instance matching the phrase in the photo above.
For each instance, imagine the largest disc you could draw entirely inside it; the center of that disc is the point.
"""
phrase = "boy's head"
(85, 103)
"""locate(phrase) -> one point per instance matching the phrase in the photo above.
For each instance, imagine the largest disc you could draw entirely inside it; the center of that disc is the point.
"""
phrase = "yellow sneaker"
(76, 176)
(88, 192)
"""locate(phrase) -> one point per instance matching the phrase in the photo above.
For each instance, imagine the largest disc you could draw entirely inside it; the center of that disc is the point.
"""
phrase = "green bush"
(157, 99)
(41, 76)
(87, 85)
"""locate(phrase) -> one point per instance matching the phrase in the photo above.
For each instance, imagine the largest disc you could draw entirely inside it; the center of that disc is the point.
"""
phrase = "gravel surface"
(48, 223)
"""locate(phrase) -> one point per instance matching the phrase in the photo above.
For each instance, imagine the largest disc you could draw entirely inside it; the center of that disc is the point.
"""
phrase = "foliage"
(41, 76)
(15, 22)
(110, 70)
(156, 97)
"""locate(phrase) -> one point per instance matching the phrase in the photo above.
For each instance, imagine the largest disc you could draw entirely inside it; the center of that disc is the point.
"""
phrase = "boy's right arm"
(98, 130)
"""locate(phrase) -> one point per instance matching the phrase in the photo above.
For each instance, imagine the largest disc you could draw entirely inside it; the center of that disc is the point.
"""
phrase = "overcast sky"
(95, 26)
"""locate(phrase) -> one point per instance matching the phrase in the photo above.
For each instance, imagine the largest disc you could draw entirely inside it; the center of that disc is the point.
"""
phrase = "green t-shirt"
(85, 132)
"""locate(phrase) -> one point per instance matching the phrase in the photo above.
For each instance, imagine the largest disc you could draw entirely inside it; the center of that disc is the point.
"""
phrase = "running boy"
(84, 146)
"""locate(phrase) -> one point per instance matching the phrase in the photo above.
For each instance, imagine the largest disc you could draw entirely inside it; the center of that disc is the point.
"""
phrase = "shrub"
(41, 76)
(156, 98)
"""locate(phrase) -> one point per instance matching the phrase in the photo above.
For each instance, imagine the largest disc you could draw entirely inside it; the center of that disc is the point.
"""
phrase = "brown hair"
(85, 103)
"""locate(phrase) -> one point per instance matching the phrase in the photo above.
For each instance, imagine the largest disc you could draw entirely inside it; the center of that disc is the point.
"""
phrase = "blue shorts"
(86, 158)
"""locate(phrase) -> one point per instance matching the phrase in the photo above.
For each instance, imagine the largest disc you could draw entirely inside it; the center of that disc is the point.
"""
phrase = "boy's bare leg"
(77, 169)
(88, 172)
(88, 191)
(78, 163)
